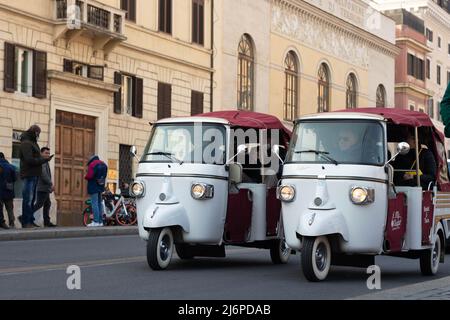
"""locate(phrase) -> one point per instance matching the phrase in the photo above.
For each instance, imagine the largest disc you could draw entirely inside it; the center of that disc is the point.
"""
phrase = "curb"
(438, 289)
(62, 233)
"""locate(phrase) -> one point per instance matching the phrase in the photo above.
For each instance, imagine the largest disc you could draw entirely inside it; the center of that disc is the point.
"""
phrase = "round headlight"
(198, 191)
(137, 189)
(287, 193)
(359, 195)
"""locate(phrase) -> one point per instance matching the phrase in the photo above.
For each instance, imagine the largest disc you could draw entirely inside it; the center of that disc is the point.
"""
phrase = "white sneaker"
(100, 225)
(92, 225)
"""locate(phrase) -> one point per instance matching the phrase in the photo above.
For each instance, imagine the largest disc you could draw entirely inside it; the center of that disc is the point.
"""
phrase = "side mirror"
(240, 149)
(133, 151)
(236, 173)
(276, 151)
(403, 148)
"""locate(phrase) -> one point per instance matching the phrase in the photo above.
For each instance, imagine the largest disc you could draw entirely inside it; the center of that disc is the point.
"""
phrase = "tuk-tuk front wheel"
(280, 252)
(160, 247)
(430, 259)
(316, 258)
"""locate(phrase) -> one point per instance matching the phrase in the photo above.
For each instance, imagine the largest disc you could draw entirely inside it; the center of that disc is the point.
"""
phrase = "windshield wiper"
(165, 154)
(323, 154)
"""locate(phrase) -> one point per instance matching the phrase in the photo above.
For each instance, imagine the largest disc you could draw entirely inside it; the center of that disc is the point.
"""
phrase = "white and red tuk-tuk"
(198, 189)
(342, 207)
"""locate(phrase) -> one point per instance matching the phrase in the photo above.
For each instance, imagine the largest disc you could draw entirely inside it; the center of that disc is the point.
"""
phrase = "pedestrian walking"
(44, 189)
(96, 177)
(30, 170)
(7, 180)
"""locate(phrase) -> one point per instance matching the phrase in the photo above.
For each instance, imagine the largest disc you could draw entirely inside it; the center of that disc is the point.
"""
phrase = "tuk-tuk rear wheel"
(280, 252)
(160, 247)
(430, 259)
(316, 258)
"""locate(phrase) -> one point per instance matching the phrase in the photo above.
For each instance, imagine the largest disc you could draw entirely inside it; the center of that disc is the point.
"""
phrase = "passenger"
(427, 166)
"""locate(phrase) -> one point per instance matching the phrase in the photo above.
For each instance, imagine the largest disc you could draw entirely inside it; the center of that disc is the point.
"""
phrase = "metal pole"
(417, 156)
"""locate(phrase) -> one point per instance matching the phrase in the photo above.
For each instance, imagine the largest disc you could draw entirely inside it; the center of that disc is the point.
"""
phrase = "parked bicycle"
(117, 210)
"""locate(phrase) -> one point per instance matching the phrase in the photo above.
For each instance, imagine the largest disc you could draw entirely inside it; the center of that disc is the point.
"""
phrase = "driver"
(349, 146)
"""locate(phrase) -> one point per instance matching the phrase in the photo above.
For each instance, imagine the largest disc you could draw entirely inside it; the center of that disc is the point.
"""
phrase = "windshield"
(338, 142)
(187, 143)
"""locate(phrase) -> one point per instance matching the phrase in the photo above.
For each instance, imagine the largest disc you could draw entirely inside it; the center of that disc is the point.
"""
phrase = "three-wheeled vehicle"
(340, 202)
(207, 181)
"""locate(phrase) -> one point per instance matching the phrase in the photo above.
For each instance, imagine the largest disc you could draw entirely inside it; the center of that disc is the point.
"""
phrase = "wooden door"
(75, 144)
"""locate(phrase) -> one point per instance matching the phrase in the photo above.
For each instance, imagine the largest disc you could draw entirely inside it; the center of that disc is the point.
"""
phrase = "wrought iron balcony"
(90, 18)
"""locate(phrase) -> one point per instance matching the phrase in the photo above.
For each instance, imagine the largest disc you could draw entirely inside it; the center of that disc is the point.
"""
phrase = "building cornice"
(410, 86)
(323, 17)
(75, 79)
(414, 43)
(438, 14)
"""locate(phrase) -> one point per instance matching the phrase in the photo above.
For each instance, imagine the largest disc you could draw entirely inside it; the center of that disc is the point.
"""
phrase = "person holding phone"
(44, 189)
(31, 163)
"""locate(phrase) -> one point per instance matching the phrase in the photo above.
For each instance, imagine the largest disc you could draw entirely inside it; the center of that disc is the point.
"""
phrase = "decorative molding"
(75, 79)
(312, 26)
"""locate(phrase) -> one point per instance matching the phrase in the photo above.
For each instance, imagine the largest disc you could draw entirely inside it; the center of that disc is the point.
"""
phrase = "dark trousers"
(9, 205)
(43, 200)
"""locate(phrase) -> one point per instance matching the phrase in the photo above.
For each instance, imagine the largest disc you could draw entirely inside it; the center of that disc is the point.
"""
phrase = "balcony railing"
(91, 13)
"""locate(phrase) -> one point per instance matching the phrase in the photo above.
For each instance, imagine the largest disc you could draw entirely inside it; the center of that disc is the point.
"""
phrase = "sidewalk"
(438, 289)
(69, 232)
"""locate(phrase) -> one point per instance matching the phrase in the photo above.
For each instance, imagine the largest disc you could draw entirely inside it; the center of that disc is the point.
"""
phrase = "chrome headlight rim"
(281, 195)
(202, 191)
(136, 193)
(366, 195)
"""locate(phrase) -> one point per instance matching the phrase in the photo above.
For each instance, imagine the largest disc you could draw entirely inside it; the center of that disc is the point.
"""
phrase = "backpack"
(101, 171)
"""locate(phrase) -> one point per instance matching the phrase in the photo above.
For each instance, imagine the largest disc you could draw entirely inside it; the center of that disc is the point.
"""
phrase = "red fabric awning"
(247, 119)
(398, 116)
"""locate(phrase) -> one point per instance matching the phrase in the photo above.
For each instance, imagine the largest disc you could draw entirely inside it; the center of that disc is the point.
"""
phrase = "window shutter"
(194, 22)
(9, 68)
(68, 65)
(132, 10)
(164, 101)
(118, 95)
(169, 16)
(138, 97)
(201, 19)
(196, 103)
(39, 74)
(168, 101)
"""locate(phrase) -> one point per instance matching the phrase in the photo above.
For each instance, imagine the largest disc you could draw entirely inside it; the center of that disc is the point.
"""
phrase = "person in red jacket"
(96, 177)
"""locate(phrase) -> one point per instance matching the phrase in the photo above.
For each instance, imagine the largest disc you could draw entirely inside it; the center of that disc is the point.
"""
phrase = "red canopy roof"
(398, 116)
(247, 119)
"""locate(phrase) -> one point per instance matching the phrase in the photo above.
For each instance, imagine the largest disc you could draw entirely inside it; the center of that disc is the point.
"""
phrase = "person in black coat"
(31, 163)
(7, 180)
(407, 163)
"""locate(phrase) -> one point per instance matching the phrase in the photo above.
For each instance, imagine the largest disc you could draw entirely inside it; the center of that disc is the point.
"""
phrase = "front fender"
(160, 216)
(322, 222)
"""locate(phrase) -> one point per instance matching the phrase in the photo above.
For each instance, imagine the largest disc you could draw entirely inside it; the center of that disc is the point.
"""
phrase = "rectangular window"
(411, 107)
(164, 100)
(196, 103)
(438, 106)
(198, 21)
(416, 67)
(438, 75)
(410, 64)
(127, 94)
(439, 42)
(165, 16)
(429, 35)
(23, 70)
(449, 48)
(431, 108)
(130, 7)
(428, 69)
(130, 97)
(84, 70)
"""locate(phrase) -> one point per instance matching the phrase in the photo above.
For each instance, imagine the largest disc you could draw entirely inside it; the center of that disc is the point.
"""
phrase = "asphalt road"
(116, 268)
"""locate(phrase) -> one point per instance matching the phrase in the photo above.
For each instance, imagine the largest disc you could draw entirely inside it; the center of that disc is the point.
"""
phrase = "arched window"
(381, 96)
(351, 92)
(246, 65)
(324, 89)
(290, 87)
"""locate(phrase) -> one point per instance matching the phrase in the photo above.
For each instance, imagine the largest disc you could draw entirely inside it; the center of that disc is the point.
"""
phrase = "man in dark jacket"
(445, 111)
(30, 170)
(96, 177)
(7, 180)
(44, 189)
